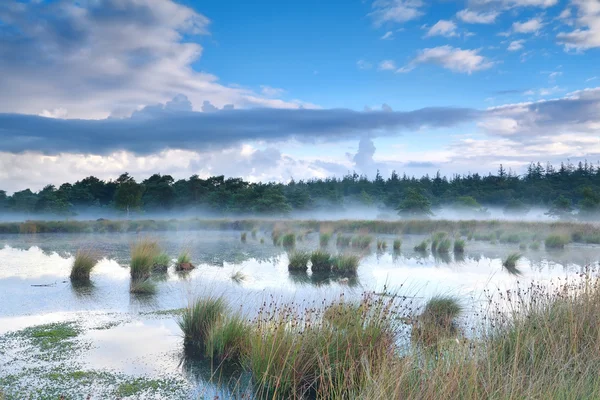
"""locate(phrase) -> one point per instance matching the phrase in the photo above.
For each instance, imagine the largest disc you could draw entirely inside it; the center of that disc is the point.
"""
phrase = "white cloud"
(398, 11)
(103, 57)
(588, 35)
(507, 4)
(454, 59)
(516, 45)
(443, 28)
(388, 35)
(530, 26)
(387, 65)
(566, 13)
(271, 91)
(473, 17)
(553, 75)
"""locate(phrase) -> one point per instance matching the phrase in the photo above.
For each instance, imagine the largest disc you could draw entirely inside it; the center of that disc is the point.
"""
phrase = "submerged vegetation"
(84, 262)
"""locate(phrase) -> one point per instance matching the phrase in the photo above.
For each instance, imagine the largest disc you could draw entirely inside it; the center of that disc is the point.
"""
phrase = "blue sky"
(456, 86)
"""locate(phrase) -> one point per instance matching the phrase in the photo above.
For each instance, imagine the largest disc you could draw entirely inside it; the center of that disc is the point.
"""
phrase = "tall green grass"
(556, 242)
(161, 262)
(345, 264)
(324, 239)
(362, 242)
(510, 263)
(381, 244)
(298, 260)
(228, 338)
(143, 254)
(422, 247)
(397, 244)
(244, 237)
(459, 246)
(343, 241)
(197, 321)
(84, 262)
(436, 239)
(288, 240)
(438, 320)
(444, 246)
(321, 261)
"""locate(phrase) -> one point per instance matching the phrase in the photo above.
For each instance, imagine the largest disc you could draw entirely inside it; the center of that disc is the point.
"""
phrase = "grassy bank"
(505, 231)
(541, 343)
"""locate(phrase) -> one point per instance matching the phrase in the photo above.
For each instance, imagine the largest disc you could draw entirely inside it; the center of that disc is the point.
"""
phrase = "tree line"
(566, 191)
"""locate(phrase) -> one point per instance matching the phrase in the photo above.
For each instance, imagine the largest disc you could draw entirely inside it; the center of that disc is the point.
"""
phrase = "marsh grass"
(436, 239)
(438, 321)
(288, 240)
(320, 261)
(238, 277)
(362, 242)
(298, 260)
(422, 247)
(143, 253)
(142, 286)
(510, 263)
(184, 257)
(84, 262)
(397, 245)
(198, 319)
(556, 242)
(343, 241)
(381, 244)
(534, 245)
(459, 246)
(228, 338)
(345, 264)
(324, 238)
(444, 246)
(243, 237)
(253, 233)
(276, 237)
(161, 262)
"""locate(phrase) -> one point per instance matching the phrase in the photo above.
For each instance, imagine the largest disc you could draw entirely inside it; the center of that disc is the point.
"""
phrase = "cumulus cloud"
(396, 11)
(271, 91)
(442, 28)
(474, 17)
(174, 126)
(506, 4)
(452, 58)
(115, 55)
(387, 65)
(532, 25)
(587, 36)
(516, 45)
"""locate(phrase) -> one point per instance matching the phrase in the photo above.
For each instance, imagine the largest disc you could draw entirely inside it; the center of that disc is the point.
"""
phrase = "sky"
(272, 91)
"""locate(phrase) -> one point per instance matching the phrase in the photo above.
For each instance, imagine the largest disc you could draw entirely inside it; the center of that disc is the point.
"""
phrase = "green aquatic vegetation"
(298, 260)
(321, 261)
(345, 264)
(143, 253)
(343, 241)
(459, 246)
(238, 277)
(535, 245)
(161, 262)
(142, 286)
(436, 239)
(422, 247)
(288, 240)
(381, 244)
(84, 262)
(52, 336)
(243, 237)
(324, 239)
(444, 246)
(228, 338)
(556, 242)
(397, 244)
(198, 319)
(510, 263)
(362, 242)
(437, 321)
(184, 258)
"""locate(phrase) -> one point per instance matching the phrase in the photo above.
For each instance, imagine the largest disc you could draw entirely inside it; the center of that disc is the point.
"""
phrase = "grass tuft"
(298, 261)
(198, 319)
(238, 277)
(161, 262)
(381, 244)
(288, 240)
(556, 242)
(343, 241)
(143, 253)
(84, 262)
(510, 263)
(459, 246)
(345, 264)
(324, 239)
(422, 247)
(362, 242)
(142, 286)
(397, 244)
(320, 261)
(243, 237)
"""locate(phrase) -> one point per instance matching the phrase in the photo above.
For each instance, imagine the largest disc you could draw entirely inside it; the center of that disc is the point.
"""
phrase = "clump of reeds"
(444, 246)
(346, 264)
(184, 261)
(276, 237)
(522, 246)
(422, 247)
(143, 253)
(556, 242)
(535, 245)
(343, 241)
(362, 242)
(381, 244)
(459, 246)
(253, 233)
(324, 239)
(197, 321)
(238, 277)
(320, 261)
(438, 320)
(397, 244)
(84, 262)
(288, 240)
(298, 260)
(228, 339)
(436, 239)
(142, 286)
(161, 262)
(243, 237)
(510, 263)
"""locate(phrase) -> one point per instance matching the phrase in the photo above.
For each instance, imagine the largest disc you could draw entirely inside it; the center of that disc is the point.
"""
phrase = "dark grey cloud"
(173, 126)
